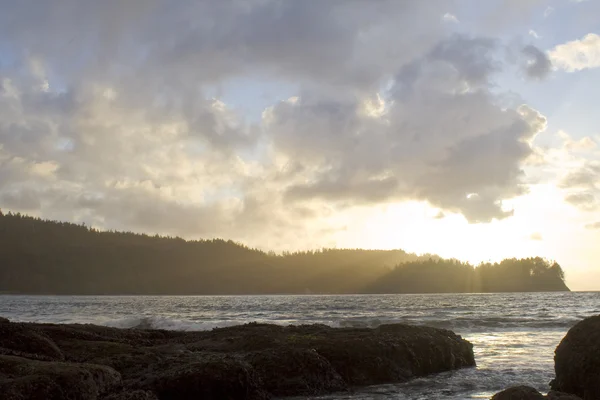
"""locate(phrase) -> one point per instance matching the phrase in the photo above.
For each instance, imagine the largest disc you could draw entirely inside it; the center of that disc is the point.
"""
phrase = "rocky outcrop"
(519, 393)
(554, 395)
(22, 378)
(253, 361)
(577, 360)
(529, 393)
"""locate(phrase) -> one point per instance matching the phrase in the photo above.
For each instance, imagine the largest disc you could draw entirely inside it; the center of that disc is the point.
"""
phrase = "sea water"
(514, 334)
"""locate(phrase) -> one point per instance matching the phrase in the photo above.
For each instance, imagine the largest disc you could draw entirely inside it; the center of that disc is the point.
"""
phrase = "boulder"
(211, 377)
(26, 341)
(519, 393)
(577, 360)
(554, 395)
(25, 379)
(296, 372)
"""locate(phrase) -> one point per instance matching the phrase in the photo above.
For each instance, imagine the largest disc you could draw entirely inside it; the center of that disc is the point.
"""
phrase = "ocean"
(514, 334)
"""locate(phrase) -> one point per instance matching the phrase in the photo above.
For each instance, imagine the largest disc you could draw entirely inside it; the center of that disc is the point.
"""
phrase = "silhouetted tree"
(40, 256)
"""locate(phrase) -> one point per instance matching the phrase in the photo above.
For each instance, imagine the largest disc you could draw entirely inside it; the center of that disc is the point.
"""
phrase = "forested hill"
(46, 257)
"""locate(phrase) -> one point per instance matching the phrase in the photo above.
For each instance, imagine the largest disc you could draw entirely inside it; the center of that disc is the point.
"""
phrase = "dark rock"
(21, 378)
(132, 395)
(529, 393)
(4, 320)
(212, 377)
(296, 372)
(253, 361)
(26, 341)
(519, 393)
(577, 361)
(554, 395)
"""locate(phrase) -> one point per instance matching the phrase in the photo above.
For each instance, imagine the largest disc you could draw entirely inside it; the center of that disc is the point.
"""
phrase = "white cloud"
(534, 34)
(578, 54)
(585, 143)
(450, 18)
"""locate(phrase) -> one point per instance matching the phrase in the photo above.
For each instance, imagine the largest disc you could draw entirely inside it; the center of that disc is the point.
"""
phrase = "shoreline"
(254, 361)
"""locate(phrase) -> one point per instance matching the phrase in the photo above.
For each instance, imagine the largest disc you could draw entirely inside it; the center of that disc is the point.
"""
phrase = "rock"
(132, 395)
(361, 356)
(4, 320)
(392, 353)
(529, 393)
(253, 361)
(554, 395)
(577, 360)
(296, 372)
(26, 341)
(21, 379)
(519, 393)
(212, 377)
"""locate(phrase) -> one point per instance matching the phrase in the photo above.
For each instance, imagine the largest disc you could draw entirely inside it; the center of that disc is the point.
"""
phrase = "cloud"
(441, 138)
(584, 200)
(583, 144)
(537, 64)
(23, 200)
(439, 215)
(593, 225)
(331, 42)
(536, 236)
(578, 54)
(108, 114)
(450, 18)
(534, 34)
(584, 177)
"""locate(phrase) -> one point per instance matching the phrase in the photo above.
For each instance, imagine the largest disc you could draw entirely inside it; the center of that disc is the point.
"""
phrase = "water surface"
(514, 335)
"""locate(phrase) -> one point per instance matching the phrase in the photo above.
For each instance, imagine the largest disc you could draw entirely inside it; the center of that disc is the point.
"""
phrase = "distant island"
(48, 257)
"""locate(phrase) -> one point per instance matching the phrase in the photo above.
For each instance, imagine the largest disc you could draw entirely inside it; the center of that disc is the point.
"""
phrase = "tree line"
(48, 257)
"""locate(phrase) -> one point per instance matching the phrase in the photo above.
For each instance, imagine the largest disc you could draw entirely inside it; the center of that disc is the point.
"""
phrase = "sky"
(463, 128)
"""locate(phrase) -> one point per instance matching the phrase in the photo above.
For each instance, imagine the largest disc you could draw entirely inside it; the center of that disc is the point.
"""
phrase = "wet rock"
(22, 378)
(253, 361)
(26, 341)
(577, 361)
(211, 377)
(296, 372)
(519, 393)
(529, 393)
(554, 395)
(132, 395)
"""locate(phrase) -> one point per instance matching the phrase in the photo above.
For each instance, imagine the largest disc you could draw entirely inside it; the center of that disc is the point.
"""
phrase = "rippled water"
(514, 335)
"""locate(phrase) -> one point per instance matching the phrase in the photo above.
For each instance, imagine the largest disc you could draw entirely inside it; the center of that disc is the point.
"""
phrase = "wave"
(462, 324)
(459, 324)
(167, 323)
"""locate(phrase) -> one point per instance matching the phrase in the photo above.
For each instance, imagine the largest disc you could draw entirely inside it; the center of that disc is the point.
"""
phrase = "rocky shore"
(577, 367)
(253, 361)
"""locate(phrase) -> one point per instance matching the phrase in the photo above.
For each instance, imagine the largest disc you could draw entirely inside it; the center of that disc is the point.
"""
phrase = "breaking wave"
(461, 325)
(167, 323)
